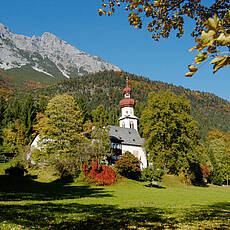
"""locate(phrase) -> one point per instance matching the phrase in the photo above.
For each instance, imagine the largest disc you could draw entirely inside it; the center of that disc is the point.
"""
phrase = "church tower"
(128, 119)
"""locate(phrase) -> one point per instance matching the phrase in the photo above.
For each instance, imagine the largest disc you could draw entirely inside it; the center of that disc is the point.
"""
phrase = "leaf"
(201, 57)
(220, 62)
(189, 74)
(213, 23)
(192, 68)
(206, 39)
(224, 39)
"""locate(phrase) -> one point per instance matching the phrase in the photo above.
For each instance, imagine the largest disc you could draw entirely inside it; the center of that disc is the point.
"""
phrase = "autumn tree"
(61, 128)
(213, 44)
(160, 17)
(171, 134)
(218, 149)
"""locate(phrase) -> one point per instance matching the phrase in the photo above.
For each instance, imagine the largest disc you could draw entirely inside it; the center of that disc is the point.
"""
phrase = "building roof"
(127, 89)
(126, 136)
(127, 102)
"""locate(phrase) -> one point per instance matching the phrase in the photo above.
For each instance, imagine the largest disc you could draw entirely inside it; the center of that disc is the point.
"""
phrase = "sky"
(114, 40)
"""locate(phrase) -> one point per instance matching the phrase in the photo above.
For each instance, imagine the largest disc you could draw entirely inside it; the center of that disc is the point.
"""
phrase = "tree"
(171, 134)
(163, 16)
(27, 118)
(100, 133)
(100, 117)
(211, 44)
(2, 109)
(61, 127)
(218, 146)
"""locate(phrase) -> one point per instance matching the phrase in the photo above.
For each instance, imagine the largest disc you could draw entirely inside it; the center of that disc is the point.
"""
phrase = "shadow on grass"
(217, 215)
(78, 216)
(24, 188)
(154, 186)
(94, 216)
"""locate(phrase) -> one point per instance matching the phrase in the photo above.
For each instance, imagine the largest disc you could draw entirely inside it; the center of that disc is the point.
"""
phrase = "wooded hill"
(210, 111)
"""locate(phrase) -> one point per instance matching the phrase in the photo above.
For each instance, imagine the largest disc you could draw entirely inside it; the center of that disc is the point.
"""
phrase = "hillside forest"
(97, 96)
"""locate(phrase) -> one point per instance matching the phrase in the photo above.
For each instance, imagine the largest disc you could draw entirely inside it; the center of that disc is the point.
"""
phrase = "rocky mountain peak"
(47, 54)
(4, 31)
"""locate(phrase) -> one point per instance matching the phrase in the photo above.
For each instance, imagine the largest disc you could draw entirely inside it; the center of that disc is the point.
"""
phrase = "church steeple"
(128, 119)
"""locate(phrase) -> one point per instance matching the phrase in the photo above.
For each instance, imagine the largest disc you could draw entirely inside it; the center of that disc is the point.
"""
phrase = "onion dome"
(127, 102)
(127, 89)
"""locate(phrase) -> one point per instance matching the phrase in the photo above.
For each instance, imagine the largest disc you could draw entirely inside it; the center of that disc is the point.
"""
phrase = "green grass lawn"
(27, 203)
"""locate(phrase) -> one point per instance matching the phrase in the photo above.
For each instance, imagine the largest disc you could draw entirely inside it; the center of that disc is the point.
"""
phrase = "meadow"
(41, 202)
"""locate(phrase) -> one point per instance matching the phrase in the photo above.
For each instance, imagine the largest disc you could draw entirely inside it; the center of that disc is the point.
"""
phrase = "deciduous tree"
(171, 134)
(219, 156)
(160, 17)
(213, 45)
(61, 128)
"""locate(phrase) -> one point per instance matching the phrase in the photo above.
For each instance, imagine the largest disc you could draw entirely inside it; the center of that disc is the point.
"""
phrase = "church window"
(123, 124)
(131, 125)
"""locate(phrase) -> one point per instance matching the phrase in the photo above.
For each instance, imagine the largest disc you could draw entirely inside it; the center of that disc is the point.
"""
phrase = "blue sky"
(112, 39)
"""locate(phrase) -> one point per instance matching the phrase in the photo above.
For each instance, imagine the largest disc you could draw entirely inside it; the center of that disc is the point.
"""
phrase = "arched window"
(123, 124)
(131, 125)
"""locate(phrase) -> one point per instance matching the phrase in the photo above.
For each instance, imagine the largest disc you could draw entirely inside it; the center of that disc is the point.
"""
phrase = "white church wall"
(138, 152)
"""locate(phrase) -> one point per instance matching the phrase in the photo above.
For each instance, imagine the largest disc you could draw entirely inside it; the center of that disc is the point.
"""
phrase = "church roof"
(126, 136)
(127, 102)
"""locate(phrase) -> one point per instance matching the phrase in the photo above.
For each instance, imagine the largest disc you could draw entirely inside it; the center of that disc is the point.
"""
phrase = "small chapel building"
(126, 136)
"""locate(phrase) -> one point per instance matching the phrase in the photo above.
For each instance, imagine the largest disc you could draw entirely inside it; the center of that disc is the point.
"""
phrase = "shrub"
(99, 174)
(66, 169)
(150, 175)
(17, 170)
(128, 166)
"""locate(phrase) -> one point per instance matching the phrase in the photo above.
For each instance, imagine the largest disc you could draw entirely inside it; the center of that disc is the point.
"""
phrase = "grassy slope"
(26, 203)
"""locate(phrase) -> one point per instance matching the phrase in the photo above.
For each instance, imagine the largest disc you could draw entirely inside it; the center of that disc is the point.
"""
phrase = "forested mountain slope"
(210, 111)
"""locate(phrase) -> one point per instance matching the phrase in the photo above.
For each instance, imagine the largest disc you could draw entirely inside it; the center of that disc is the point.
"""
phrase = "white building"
(126, 136)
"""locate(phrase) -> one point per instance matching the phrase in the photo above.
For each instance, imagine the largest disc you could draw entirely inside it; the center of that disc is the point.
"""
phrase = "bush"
(128, 166)
(17, 170)
(99, 174)
(150, 175)
(66, 169)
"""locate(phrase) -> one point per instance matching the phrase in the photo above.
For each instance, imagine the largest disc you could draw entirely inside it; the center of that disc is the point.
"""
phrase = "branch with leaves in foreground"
(213, 44)
(160, 17)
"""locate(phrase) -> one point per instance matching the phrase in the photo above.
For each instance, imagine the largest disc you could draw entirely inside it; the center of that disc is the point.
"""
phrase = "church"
(126, 137)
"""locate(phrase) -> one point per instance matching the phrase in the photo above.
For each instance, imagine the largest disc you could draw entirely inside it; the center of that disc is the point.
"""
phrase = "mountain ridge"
(209, 110)
(47, 54)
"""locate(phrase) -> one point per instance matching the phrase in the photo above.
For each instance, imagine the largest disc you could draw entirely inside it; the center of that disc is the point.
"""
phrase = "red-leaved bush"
(99, 174)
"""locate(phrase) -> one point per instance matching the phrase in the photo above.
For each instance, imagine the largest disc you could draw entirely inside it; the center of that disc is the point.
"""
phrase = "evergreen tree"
(2, 110)
(100, 117)
(27, 117)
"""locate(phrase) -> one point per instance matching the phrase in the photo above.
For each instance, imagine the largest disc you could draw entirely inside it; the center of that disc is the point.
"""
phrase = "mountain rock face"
(47, 54)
